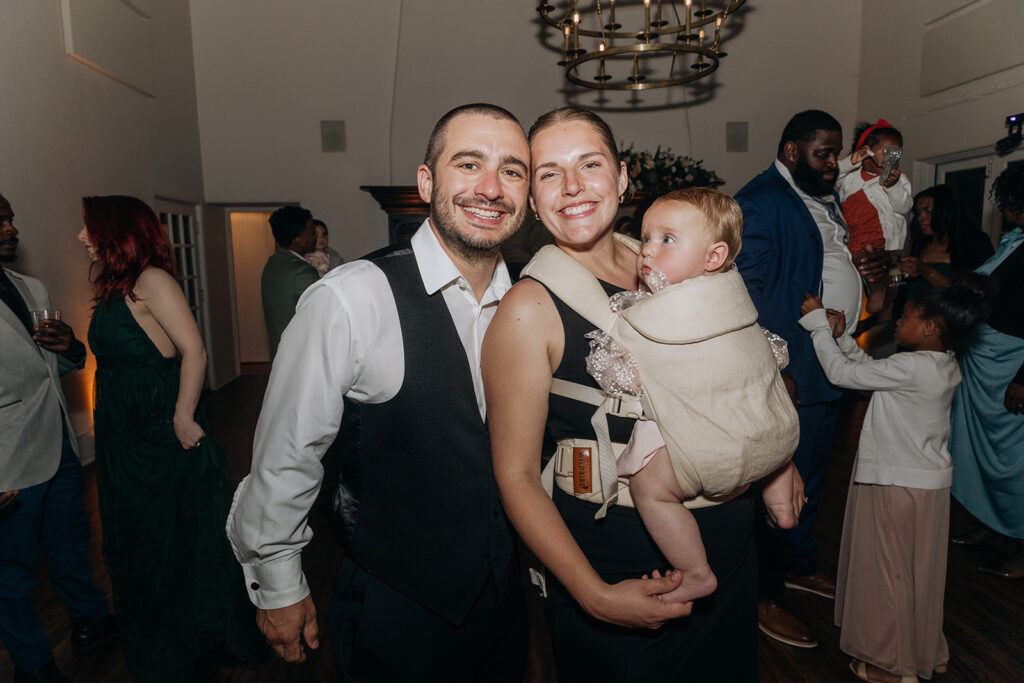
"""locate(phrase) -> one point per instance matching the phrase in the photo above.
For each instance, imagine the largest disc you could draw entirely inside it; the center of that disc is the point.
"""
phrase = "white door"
(251, 245)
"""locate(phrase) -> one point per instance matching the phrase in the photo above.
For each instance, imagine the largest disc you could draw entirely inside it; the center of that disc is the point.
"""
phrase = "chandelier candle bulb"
(647, 21)
(718, 32)
(576, 34)
(688, 3)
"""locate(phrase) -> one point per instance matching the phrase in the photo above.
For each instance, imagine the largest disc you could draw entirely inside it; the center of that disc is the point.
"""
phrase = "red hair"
(128, 238)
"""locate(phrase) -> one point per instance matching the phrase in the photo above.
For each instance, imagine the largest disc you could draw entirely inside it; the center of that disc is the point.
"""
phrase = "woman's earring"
(622, 198)
(536, 216)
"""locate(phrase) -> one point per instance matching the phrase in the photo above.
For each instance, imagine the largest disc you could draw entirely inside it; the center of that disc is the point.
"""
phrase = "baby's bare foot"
(697, 583)
(782, 515)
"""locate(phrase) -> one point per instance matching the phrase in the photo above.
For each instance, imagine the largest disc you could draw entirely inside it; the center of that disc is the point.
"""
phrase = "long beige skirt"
(892, 578)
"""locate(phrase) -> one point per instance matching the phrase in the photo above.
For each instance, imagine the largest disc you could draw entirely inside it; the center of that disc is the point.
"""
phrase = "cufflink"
(255, 585)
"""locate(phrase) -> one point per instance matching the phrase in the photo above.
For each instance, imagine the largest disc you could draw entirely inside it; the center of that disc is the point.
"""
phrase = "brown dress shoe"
(819, 584)
(779, 624)
(1008, 569)
(975, 536)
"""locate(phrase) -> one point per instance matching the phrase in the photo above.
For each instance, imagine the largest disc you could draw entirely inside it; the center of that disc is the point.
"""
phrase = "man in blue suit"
(795, 243)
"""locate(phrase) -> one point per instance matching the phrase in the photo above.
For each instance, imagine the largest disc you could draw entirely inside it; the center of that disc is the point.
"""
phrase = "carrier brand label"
(581, 480)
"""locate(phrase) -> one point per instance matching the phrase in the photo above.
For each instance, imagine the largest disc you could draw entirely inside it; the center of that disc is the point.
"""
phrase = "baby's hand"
(860, 155)
(836, 320)
(811, 303)
(891, 180)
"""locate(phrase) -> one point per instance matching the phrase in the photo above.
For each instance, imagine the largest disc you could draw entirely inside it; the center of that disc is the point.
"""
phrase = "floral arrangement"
(664, 171)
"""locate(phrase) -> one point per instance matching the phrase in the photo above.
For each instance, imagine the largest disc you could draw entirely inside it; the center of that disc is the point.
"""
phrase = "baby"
(708, 379)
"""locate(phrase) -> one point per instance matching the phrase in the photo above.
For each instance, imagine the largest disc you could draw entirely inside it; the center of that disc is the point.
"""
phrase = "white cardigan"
(892, 203)
(906, 428)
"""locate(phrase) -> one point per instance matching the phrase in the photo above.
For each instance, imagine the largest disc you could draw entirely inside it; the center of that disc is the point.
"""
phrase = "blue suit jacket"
(780, 261)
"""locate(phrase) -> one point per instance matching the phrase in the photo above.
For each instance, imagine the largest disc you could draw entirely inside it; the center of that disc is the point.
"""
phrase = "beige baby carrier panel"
(709, 377)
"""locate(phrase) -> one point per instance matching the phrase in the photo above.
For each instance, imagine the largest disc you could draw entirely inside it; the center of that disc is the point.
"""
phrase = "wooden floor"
(984, 615)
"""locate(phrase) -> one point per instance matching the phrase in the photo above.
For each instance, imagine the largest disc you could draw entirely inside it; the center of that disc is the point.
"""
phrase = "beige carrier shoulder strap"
(577, 287)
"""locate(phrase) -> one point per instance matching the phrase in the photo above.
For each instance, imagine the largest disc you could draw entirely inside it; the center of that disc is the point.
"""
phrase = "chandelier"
(673, 45)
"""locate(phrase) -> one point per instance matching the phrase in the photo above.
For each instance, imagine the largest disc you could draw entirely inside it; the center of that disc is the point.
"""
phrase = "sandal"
(872, 674)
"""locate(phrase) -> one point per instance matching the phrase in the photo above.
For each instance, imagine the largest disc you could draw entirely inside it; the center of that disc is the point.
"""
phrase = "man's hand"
(1014, 399)
(289, 630)
(6, 497)
(871, 263)
(811, 303)
(55, 335)
(837, 321)
(798, 492)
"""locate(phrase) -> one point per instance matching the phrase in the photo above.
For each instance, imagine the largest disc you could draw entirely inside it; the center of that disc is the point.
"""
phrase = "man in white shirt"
(795, 243)
(428, 587)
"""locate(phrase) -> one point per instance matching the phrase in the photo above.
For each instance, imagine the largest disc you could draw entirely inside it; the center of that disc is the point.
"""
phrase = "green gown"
(178, 590)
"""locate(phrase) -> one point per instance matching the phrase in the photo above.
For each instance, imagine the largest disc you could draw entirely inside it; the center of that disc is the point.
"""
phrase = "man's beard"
(13, 255)
(442, 215)
(810, 180)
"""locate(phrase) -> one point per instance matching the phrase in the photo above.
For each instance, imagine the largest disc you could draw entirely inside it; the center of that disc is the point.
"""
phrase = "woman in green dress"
(162, 481)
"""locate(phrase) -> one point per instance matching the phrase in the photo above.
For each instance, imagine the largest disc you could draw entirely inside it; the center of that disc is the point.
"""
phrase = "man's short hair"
(436, 142)
(287, 222)
(805, 125)
(722, 216)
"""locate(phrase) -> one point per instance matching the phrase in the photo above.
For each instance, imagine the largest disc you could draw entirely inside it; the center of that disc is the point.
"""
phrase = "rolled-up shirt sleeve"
(317, 363)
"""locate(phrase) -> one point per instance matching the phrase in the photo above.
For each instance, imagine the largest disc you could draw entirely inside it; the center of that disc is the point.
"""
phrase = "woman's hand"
(911, 266)
(637, 603)
(811, 303)
(1014, 399)
(189, 433)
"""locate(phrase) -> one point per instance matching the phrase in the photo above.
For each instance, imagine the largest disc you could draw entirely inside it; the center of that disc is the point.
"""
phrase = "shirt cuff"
(275, 585)
(815, 320)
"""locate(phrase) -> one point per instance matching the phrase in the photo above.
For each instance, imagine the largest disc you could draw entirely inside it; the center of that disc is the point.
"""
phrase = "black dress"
(178, 591)
(718, 641)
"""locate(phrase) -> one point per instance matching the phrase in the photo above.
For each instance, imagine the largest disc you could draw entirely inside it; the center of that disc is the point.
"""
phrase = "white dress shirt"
(841, 284)
(344, 341)
(905, 437)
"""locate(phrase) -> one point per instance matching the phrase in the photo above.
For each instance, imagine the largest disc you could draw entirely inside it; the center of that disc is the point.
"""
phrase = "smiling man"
(428, 587)
(794, 243)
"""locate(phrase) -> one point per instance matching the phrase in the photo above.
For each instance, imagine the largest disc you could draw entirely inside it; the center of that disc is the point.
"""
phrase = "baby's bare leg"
(777, 491)
(657, 497)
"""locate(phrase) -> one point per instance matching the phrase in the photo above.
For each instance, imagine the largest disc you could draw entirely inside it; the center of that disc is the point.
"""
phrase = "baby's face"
(675, 241)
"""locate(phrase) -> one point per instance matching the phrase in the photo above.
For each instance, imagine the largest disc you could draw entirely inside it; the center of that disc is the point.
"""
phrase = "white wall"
(70, 131)
(267, 72)
(963, 117)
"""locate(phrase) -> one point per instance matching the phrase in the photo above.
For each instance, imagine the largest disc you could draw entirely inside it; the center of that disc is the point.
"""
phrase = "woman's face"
(321, 238)
(923, 210)
(90, 246)
(576, 182)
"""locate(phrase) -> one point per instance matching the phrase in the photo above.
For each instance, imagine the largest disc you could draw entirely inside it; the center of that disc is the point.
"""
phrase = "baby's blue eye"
(669, 239)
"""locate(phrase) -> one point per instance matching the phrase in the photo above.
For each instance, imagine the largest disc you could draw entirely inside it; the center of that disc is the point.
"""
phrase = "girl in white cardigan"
(892, 558)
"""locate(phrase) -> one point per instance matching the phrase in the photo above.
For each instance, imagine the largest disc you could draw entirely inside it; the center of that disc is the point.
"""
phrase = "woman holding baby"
(606, 622)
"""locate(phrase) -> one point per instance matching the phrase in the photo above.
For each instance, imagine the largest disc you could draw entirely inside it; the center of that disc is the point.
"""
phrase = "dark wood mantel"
(405, 210)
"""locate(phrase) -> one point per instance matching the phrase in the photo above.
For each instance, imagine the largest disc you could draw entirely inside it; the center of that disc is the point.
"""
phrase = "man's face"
(815, 163)
(8, 233)
(477, 190)
(305, 241)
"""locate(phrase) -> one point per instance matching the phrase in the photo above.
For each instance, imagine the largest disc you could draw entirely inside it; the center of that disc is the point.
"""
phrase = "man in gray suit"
(287, 273)
(40, 476)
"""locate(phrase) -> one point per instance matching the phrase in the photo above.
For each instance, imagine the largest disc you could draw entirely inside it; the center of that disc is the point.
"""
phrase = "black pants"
(379, 634)
(717, 642)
